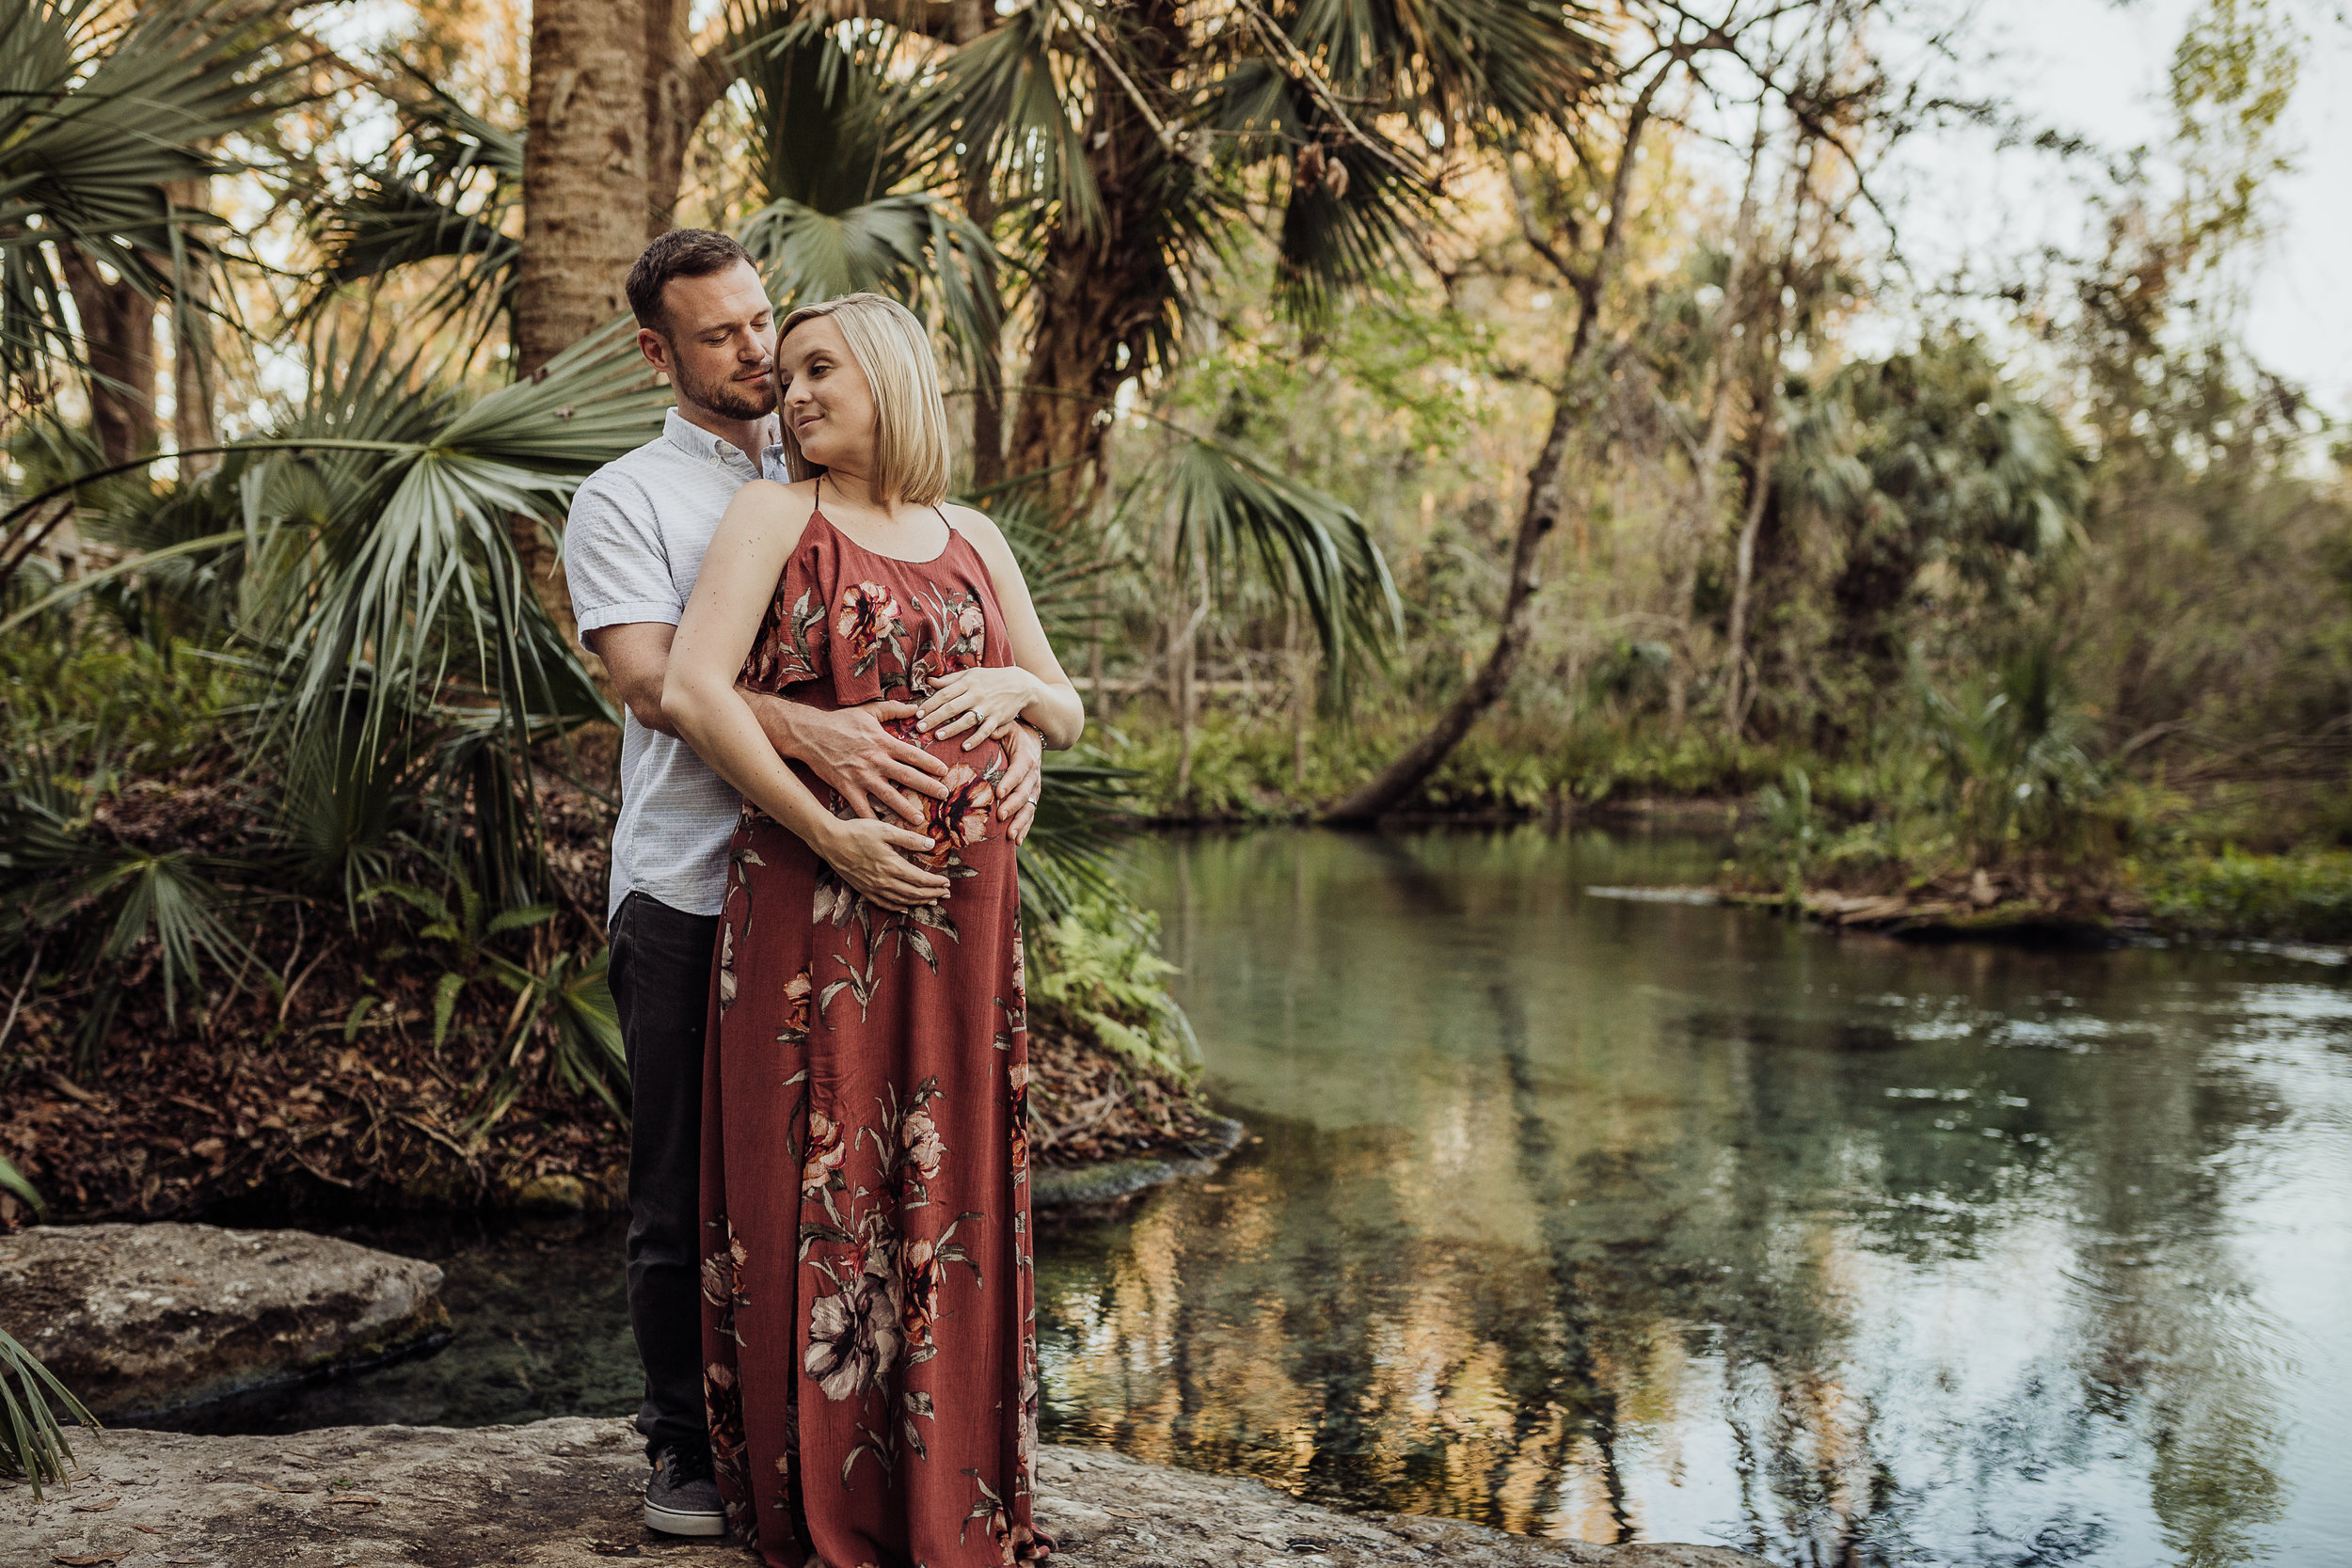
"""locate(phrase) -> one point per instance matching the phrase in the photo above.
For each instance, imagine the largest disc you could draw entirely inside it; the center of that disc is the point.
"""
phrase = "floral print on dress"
(870, 1319)
(871, 623)
(782, 653)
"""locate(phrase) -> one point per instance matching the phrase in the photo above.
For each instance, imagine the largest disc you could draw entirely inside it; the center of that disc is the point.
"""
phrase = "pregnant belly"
(967, 819)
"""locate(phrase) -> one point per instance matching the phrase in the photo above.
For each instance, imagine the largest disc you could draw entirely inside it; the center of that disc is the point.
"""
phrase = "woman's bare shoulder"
(974, 524)
(777, 512)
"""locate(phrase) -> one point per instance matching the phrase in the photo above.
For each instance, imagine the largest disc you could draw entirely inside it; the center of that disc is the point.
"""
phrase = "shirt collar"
(704, 447)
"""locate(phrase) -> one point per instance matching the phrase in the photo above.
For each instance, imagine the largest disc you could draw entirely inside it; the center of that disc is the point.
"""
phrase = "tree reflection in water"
(1609, 1221)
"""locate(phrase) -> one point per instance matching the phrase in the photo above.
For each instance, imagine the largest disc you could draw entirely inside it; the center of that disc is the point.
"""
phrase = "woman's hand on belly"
(982, 700)
(872, 856)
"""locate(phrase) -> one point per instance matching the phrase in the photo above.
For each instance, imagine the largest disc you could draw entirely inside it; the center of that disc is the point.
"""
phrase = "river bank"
(273, 1125)
(565, 1493)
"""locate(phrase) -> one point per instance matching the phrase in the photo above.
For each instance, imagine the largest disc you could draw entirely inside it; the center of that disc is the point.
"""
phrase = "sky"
(2098, 70)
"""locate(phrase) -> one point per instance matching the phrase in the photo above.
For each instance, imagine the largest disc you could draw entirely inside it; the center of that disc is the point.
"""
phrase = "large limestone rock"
(565, 1493)
(144, 1320)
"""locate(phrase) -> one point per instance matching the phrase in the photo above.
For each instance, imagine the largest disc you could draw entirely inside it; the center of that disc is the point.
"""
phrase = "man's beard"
(726, 395)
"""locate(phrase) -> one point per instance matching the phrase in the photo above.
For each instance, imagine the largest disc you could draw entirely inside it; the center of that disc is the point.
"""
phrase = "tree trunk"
(971, 21)
(119, 336)
(192, 423)
(1184, 628)
(1405, 775)
(1302, 672)
(1097, 298)
(1699, 522)
(1545, 496)
(1759, 494)
(584, 205)
(681, 85)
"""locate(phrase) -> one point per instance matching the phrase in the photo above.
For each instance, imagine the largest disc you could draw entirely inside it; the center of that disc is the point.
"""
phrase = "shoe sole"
(670, 1521)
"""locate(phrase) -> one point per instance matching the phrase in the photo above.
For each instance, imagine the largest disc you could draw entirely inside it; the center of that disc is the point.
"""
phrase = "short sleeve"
(614, 559)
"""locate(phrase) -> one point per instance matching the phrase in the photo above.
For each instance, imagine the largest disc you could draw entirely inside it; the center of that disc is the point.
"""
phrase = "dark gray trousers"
(660, 978)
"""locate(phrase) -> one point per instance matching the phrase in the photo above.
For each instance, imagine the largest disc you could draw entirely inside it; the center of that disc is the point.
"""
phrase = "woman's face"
(824, 398)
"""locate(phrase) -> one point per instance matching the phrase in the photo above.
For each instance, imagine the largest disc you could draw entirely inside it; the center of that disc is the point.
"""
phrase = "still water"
(1612, 1219)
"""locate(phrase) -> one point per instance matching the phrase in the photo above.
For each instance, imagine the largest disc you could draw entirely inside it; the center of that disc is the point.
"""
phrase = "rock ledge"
(144, 1320)
(565, 1493)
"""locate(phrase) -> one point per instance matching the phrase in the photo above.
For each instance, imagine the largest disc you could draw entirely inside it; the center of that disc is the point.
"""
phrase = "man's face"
(718, 344)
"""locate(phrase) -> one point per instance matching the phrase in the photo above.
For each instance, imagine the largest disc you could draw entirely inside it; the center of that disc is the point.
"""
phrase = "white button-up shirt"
(632, 548)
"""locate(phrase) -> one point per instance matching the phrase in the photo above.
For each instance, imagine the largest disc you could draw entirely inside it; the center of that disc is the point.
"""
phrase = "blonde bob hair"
(888, 341)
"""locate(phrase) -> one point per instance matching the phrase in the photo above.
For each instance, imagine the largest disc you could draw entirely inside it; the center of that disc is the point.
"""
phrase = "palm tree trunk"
(971, 21)
(584, 204)
(192, 422)
(681, 85)
(1073, 375)
(119, 336)
(1089, 334)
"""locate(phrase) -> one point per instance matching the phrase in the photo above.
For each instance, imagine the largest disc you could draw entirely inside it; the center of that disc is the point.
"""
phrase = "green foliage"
(1790, 833)
(12, 1182)
(101, 107)
(32, 1441)
(86, 893)
(1099, 972)
(847, 184)
(560, 1003)
(2305, 897)
(2017, 770)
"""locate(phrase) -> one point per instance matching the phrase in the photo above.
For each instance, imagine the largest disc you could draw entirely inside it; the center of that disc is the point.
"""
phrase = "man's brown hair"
(679, 253)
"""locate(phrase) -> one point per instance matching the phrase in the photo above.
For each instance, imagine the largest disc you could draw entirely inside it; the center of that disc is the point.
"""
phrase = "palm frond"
(390, 567)
(101, 107)
(1240, 510)
(1014, 100)
(1464, 61)
(832, 112)
(842, 170)
(12, 1182)
(445, 190)
(32, 1441)
(917, 246)
(1070, 853)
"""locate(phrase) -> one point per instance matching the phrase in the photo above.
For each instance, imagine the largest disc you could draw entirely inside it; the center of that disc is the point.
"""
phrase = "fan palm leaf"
(101, 107)
(1016, 97)
(841, 175)
(1238, 511)
(389, 566)
(446, 190)
(32, 1441)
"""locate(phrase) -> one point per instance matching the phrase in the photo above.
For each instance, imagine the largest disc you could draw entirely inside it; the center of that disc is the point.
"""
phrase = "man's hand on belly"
(850, 750)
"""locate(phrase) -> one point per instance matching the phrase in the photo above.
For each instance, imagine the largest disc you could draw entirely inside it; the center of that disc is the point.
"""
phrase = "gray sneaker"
(681, 1499)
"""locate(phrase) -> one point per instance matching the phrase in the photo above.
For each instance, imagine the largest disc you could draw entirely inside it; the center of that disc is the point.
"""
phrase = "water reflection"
(1615, 1220)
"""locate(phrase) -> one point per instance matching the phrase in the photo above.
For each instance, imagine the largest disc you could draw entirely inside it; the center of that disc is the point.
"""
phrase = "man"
(632, 548)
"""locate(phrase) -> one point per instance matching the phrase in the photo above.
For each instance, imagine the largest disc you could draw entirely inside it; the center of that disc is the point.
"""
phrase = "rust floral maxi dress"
(869, 1335)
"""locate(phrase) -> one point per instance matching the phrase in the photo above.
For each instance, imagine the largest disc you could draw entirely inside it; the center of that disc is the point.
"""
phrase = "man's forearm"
(647, 711)
(780, 718)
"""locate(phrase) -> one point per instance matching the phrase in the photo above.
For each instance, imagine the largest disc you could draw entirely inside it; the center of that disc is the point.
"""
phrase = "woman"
(869, 1335)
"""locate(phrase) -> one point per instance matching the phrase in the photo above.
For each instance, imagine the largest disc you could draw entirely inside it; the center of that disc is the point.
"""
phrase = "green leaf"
(516, 920)
(445, 1006)
(12, 1181)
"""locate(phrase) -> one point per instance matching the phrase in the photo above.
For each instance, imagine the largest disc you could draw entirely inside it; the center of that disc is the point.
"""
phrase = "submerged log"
(566, 1494)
